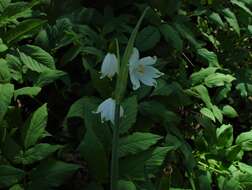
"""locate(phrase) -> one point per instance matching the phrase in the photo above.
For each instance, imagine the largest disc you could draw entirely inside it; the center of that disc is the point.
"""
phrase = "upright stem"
(115, 150)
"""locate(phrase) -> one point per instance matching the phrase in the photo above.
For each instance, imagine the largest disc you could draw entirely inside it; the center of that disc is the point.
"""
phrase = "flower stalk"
(120, 89)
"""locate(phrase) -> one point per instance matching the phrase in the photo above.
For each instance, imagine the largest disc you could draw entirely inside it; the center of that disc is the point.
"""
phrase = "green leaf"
(48, 77)
(130, 114)
(217, 113)
(171, 36)
(231, 19)
(25, 27)
(126, 185)
(208, 113)
(51, 174)
(135, 166)
(215, 17)
(10, 175)
(198, 77)
(136, 143)
(5, 74)
(36, 153)
(229, 111)
(4, 4)
(245, 141)
(3, 47)
(209, 57)
(30, 91)
(162, 89)
(202, 93)
(147, 38)
(16, 187)
(40, 55)
(6, 93)
(218, 79)
(225, 135)
(242, 6)
(92, 148)
(35, 127)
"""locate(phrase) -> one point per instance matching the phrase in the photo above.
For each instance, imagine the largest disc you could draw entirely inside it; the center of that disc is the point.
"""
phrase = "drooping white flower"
(107, 110)
(141, 70)
(109, 66)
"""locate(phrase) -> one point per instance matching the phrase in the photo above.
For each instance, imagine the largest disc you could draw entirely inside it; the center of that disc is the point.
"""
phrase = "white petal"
(152, 72)
(134, 80)
(107, 110)
(134, 58)
(148, 60)
(109, 66)
(148, 81)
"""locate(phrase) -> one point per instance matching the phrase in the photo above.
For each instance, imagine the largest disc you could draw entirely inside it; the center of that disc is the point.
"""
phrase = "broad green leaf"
(159, 113)
(187, 33)
(242, 6)
(92, 148)
(51, 174)
(147, 38)
(215, 17)
(16, 187)
(36, 153)
(49, 76)
(4, 4)
(35, 127)
(209, 57)
(162, 89)
(245, 140)
(225, 135)
(136, 143)
(205, 181)
(5, 74)
(231, 19)
(25, 27)
(15, 67)
(171, 36)
(36, 59)
(229, 111)
(10, 176)
(217, 113)
(208, 113)
(126, 185)
(157, 158)
(40, 55)
(29, 91)
(130, 114)
(218, 79)
(6, 93)
(135, 166)
(198, 77)
(202, 93)
(3, 47)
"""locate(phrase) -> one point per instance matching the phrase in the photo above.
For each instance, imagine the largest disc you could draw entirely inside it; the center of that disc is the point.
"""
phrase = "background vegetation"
(193, 131)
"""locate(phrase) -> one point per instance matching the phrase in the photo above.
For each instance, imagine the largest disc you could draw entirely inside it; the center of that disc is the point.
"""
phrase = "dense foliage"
(191, 131)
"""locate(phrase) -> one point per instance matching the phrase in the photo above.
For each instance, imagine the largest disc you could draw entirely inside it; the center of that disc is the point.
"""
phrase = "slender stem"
(115, 150)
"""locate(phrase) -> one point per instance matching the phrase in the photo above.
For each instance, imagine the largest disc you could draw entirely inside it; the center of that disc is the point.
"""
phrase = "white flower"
(142, 70)
(107, 110)
(109, 66)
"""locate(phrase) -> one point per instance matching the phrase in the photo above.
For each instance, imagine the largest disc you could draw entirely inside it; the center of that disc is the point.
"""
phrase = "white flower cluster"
(140, 70)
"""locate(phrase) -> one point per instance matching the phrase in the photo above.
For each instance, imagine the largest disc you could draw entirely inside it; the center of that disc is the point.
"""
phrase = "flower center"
(141, 69)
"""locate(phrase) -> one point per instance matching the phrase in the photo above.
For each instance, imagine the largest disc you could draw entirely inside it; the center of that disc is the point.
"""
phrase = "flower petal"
(134, 58)
(148, 60)
(109, 66)
(134, 80)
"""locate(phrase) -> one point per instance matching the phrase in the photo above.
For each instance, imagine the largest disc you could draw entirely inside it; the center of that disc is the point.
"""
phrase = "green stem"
(115, 150)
